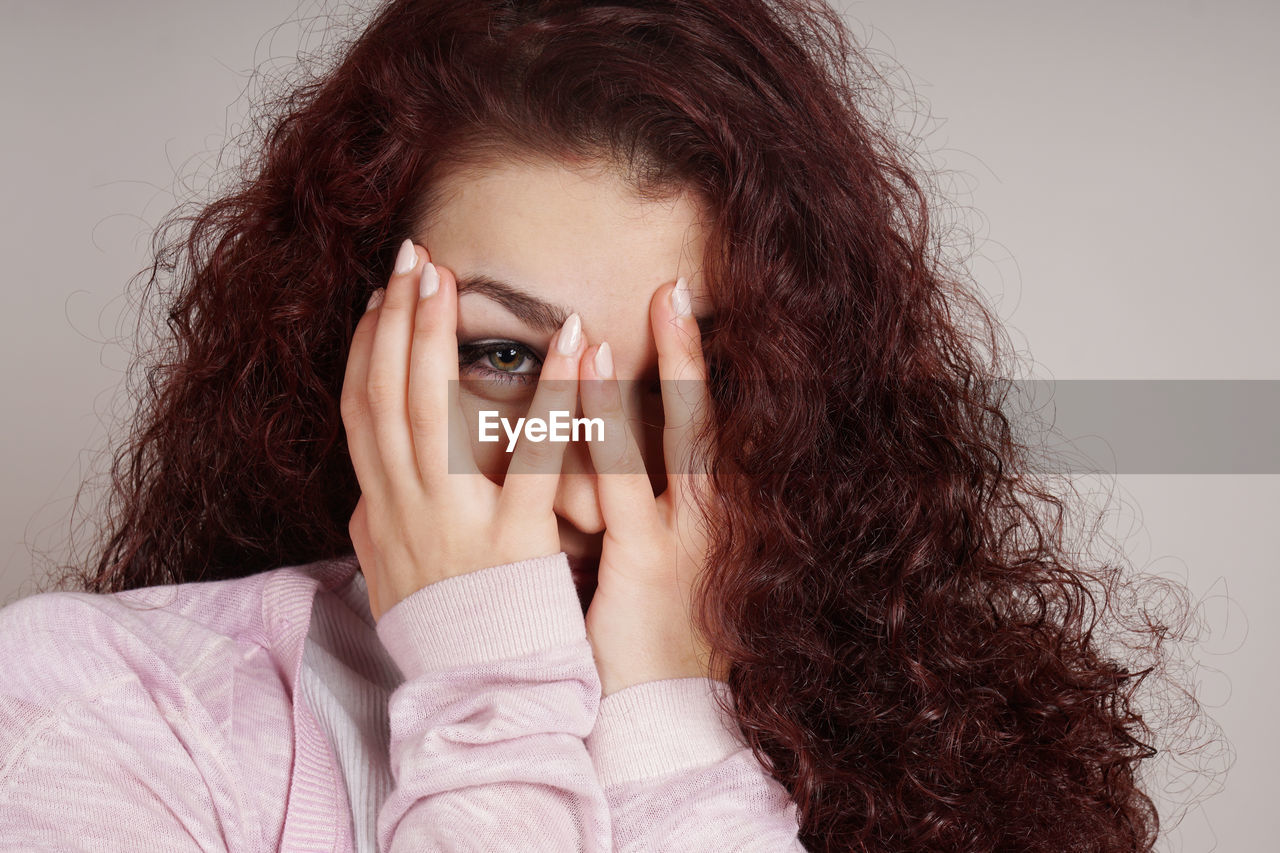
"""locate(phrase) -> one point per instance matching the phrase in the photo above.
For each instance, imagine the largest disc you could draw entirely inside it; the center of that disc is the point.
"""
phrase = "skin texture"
(579, 238)
(626, 501)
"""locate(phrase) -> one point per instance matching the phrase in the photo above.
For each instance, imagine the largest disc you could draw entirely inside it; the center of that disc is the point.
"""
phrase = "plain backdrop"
(1114, 161)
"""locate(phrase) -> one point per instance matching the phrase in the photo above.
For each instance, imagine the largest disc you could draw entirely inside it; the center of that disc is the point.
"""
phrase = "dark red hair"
(911, 637)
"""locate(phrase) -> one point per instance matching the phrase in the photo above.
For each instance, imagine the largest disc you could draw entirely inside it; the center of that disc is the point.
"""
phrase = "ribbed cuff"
(661, 727)
(491, 614)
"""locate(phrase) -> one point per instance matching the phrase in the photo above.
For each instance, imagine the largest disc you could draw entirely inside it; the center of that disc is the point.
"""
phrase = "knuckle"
(423, 326)
(424, 417)
(353, 407)
(363, 528)
(381, 390)
(626, 462)
(555, 386)
(610, 410)
(427, 405)
(536, 453)
(420, 411)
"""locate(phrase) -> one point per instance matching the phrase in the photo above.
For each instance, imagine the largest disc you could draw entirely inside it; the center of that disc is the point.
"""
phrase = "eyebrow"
(533, 311)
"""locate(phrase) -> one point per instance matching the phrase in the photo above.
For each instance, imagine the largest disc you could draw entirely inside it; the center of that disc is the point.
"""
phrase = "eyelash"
(471, 356)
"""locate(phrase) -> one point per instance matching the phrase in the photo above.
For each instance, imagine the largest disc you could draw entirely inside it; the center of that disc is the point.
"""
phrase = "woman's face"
(556, 240)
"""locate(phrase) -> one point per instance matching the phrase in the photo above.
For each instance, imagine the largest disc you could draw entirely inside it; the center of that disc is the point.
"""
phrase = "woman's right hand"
(416, 521)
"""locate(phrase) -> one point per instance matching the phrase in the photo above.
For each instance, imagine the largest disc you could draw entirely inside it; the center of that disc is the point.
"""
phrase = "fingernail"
(680, 298)
(430, 281)
(407, 259)
(570, 335)
(604, 361)
(375, 298)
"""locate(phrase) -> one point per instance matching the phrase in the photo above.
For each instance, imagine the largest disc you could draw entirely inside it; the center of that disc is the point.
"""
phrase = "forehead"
(577, 235)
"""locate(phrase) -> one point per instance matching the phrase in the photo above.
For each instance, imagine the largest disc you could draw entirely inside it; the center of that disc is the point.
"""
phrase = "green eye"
(507, 361)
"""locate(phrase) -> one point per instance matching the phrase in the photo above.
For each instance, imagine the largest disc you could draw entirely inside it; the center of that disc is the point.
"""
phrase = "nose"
(578, 496)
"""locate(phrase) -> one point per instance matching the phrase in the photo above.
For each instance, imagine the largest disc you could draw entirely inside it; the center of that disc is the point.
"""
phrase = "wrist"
(496, 613)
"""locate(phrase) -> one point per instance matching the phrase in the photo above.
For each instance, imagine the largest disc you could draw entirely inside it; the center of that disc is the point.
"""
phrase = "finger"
(538, 464)
(626, 494)
(388, 380)
(354, 401)
(440, 439)
(683, 378)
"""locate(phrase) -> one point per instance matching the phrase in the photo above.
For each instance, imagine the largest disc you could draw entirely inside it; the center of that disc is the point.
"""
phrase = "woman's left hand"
(654, 547)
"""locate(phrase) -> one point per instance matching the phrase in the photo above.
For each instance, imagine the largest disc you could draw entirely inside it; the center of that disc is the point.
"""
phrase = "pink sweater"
(164, 719)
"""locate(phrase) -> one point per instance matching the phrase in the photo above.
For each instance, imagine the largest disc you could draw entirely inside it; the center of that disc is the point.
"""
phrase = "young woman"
(800, 592)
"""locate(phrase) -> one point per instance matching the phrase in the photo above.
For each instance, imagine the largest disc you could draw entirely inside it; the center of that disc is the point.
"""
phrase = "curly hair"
(910, 637)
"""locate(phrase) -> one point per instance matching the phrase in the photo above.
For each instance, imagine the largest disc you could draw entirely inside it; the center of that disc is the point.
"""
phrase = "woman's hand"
(417, 521)
(654, 548)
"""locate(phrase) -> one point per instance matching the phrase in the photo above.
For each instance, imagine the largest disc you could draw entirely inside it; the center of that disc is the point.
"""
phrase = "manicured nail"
(680, 298)
(407, 259)
(375, 298)
(430, 281)
(604, 361)
(570, 335)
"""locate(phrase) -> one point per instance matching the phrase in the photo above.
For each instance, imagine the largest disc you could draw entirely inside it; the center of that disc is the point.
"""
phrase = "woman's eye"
(505, 361)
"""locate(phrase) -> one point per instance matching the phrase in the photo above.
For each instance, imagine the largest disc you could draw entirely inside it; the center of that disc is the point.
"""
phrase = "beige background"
(1114, 160)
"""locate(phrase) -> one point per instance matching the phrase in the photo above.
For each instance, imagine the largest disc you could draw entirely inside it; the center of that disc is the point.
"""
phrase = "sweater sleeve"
(488, 728)
(677, 776)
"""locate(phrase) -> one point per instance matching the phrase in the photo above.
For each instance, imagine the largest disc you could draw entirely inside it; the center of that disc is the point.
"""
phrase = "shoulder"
(169, 705)
(175, 644)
